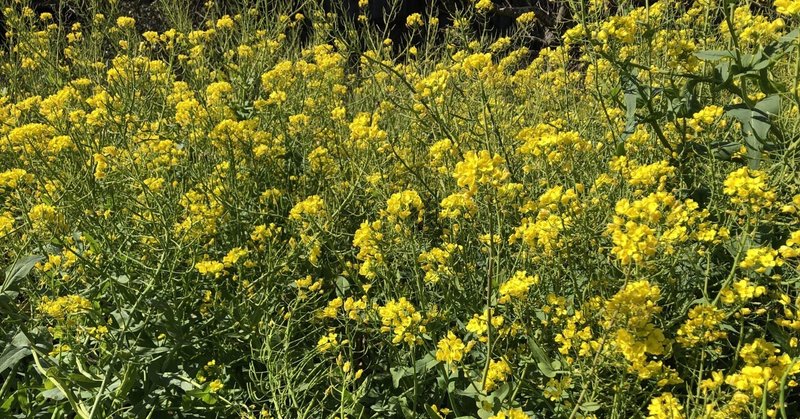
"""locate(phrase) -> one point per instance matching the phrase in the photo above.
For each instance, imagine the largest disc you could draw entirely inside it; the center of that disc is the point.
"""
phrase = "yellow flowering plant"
(262, 210)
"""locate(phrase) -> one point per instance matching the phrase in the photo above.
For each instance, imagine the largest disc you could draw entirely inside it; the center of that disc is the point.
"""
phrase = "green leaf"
(542, 360)
(471, 391)
(342, 285)
(790, 37)
(590, 406)
(754, 151)
(770, 105)
(8, 402)
(204, 395)
(397, 374)
(631, 97)
(546, 369)
(12, 355)
(53, 394)
(19, 270)
(726, 151)
(756, 123)
(724, 71)
(714, 55)
(426, 362)
(502, 391)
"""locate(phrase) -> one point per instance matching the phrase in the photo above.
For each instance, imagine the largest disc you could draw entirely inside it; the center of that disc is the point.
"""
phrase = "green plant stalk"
(489, 310)
(782, 395)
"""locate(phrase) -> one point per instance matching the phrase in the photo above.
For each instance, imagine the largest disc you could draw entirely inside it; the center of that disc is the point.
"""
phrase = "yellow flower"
(665, 406)
(450, 349)
(309, 208)
(328, 342)
(435, 262)
(480, 169)
(210, 267)
(63, 307)
(225, 22)
(125, 22)
(498, 373)
(702, 326)
(11, 178)
(456, 205)
(787, 7)
(330, 311)
(742, 292)
(6, 224)
(516, 287)
(748, 187)
(402, 319)
(526, 18)
(484, 5)
(399, 206)
(234, 255)
(215, 386)
(414, 20)
(510, 414)
(761, 259)
(368, 239)
(43, 217)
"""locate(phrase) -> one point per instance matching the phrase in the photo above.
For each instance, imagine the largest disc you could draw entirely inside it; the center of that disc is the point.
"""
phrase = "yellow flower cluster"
(741, 292)
(761, 259)
(210, 267)
(750, 189)
(753, 29)
(702, 326)
(436, 263)
(497, 373)
(480, 168)
(629, 316)
(551, 142)
(516, 287)
(364, 130)
(787, 7)
(309, 208)
(651, 174)
(657, 222)
(63, 307)
(368, 239)
(456, 205)
(327, 342)
(450, 349)
(414, 20)
(351, 307)
(400, 318)
(484, 5)
(479, 326)
(555, 208)
(44, 218)
(665, 406)
(764, 367)
(11, 178)
(400, 205)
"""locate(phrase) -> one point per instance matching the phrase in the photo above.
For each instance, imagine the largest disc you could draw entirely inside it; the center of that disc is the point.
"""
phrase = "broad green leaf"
(342, 285)
(12, 355)
(19, 270)
(714, 55)
(590, 406)
(397, 374)
(770, 105)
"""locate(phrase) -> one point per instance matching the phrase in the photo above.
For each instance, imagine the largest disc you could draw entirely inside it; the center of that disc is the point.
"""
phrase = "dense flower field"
(223, 220)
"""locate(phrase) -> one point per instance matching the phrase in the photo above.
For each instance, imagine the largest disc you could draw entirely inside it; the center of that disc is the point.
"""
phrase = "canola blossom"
(270, 212)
